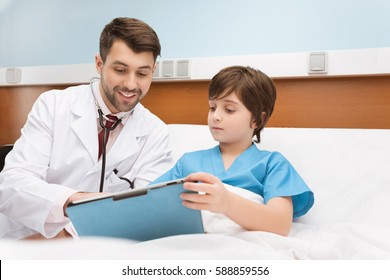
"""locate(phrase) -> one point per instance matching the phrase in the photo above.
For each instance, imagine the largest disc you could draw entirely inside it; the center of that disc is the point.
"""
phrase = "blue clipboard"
(142, 215)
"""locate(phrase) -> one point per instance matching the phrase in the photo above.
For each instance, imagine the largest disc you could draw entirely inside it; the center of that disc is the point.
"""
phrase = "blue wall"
(47, 32)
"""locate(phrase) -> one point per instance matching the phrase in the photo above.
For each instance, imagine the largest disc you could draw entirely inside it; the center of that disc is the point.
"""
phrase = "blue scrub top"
(268, 174)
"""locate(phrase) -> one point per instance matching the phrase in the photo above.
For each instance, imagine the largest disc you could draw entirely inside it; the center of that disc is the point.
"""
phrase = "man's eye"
(120, 70)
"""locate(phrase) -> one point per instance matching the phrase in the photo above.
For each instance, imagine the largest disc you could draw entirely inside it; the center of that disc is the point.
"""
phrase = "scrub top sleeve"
(174, 173)
(283, 180)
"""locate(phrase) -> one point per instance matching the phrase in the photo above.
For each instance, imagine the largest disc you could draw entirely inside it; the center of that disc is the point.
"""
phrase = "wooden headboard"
(323, 102)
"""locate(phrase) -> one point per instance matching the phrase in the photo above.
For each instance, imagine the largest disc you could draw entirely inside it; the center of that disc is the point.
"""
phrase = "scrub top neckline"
(217, 161)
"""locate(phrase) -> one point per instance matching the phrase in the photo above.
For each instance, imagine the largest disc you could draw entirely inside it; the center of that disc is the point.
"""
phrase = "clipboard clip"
(130, 194)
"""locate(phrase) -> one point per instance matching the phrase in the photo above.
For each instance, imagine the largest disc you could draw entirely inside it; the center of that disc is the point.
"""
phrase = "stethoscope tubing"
(105, 138)
(104, 145)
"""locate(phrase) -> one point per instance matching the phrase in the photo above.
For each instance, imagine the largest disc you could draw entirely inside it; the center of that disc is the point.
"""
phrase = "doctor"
(56, 160)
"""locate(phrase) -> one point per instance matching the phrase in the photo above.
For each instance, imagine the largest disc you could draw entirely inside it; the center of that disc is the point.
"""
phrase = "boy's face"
(230, 122)
(125, 77)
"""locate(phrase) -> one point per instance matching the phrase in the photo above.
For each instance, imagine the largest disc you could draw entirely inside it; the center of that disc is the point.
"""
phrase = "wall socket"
(173, 69)
(13, 75)
(318, 63)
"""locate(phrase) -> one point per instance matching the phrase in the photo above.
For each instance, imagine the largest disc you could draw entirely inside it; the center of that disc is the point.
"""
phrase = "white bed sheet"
(224, 240)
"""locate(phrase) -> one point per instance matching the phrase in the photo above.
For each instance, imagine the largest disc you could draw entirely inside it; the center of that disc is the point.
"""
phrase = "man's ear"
(98, 63)
(154, 68)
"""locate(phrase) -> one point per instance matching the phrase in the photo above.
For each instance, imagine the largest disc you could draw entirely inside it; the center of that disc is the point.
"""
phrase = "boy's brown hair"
(254, 89)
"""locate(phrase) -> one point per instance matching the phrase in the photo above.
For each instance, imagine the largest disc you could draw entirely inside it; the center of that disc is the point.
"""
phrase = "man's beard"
(116, 102)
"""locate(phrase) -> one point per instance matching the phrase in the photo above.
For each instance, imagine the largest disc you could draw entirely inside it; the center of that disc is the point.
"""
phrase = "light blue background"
(50, 32)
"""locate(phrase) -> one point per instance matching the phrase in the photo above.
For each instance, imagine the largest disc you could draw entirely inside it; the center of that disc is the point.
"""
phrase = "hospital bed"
(347, 169)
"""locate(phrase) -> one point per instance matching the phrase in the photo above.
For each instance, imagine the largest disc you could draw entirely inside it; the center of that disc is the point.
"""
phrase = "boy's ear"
(254, 124)
(263, 117)
(262, 123)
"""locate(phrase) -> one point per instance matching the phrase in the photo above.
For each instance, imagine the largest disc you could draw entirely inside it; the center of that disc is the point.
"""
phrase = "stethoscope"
(105, 138)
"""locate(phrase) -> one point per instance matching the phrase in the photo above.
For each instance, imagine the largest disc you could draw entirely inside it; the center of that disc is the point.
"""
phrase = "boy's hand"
(210, 193)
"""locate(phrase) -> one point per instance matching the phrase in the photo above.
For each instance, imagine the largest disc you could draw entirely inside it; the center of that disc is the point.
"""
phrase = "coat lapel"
(127, 143)
(85, 125)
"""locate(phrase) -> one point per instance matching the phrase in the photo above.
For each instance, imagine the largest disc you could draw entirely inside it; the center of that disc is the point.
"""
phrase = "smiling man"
(57, 159)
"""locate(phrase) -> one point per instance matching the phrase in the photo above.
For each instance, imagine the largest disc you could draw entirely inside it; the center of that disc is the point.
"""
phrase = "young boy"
(241, 100)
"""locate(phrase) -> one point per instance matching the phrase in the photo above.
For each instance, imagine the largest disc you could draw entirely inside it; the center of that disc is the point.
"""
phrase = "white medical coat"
(57, 155)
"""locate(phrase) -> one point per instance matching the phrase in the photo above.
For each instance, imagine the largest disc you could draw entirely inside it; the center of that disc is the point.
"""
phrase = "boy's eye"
(212, 108)
(230, 110)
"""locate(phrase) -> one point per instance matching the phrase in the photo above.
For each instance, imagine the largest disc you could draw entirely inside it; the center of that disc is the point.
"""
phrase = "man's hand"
(79, 196)
(61, 235)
